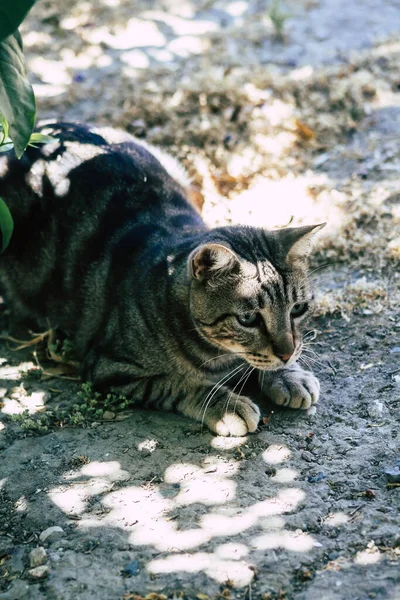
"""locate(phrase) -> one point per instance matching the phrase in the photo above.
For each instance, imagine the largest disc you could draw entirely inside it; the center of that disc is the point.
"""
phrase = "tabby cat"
(107, 248)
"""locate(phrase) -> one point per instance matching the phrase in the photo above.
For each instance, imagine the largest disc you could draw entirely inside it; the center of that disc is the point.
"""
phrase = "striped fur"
(107, 248)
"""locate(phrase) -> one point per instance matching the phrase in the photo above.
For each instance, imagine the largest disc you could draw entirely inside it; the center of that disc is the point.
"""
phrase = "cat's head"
(250, 293)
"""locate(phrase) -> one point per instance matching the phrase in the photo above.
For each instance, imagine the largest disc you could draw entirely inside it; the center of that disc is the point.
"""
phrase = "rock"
(131, 568)
(37, 557)
(392, 474)
(376, 410)
(168, 490)
(308, 456)
(51, 533)
(108, 415)
(39, 573)
(317, 477)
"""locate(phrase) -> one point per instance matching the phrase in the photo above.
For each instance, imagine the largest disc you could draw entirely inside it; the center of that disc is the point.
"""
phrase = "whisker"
(244, 383)
(215, 389)
(312, 332)
(223, 380)
(238, 383)
(306, 348)
(241, 389)
(222, 355)
(315, 361)
(319, 268)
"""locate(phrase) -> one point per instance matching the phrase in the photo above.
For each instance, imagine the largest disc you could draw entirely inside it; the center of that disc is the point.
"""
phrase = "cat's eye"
(249, 319)
(299, 310)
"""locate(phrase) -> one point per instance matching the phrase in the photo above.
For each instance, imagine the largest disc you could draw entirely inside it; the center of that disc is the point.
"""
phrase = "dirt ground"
(276, 125)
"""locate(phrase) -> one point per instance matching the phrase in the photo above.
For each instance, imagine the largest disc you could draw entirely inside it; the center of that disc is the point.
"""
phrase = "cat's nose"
(284, 348)
(285, 357)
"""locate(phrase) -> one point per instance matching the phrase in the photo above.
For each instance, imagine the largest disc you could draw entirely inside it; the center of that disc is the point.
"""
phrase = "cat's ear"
(210, 260)
(297, 242)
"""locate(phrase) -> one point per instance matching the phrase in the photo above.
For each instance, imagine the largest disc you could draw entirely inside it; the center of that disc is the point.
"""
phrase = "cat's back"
(93, 210)
(88, 166)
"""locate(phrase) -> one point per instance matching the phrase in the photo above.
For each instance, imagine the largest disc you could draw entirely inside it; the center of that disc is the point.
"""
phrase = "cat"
(159, 307)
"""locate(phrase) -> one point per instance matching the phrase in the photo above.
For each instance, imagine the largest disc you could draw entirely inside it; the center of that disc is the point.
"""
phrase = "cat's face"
(255, 308)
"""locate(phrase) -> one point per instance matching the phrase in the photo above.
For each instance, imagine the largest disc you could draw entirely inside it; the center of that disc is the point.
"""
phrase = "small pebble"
(395, 350)
(108, 415)
(392, 474)
(131, 568)
(317, 477)
(376, 409)
(308, 456)
(311, 411)
(37, 557)
(51, 533)
(168, 490)
(39, 572)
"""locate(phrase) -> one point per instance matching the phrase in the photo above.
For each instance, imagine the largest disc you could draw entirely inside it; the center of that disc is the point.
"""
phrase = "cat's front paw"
(241, 418)
(293, 387)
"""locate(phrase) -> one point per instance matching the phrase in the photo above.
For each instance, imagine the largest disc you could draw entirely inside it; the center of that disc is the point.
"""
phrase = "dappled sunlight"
(148, 445)
(200, 486)
(285, 501)
(92, 479)
(218, 569)
(227, 443)
(14, 373)
(232, 551)
(220, 525)
(237, 8)
(370, 556)
(133, 34)
(108, 470)
(50, 72)
(294, 541)
(32, 403)
(336, 519)
(275, 454)
(290, 199)
(21, 505)
(284, 475)
(181, 26)
(151, 513)
(73, 500)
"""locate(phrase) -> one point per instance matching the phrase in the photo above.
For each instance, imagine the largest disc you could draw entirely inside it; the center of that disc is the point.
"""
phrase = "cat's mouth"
(262, 362)
(274, 363)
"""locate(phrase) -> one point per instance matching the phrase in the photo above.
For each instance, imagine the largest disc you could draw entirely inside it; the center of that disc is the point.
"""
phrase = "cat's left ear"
(210, 260)
(297, 242)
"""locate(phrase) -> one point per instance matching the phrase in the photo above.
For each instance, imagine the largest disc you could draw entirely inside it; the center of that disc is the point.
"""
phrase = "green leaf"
(6, 147)
(4, 126)
(6, 224)
(40, 138)
(12, 13)
(17, 101)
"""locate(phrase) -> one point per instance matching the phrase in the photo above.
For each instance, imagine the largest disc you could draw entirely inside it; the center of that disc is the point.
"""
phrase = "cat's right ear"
(211, 260)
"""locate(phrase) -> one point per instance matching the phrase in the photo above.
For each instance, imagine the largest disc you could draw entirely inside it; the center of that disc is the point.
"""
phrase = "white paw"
(241, 418)
(293, 387)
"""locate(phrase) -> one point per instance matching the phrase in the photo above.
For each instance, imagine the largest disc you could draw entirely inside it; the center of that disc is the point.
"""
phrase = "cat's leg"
(221, 410)
(293, 387)
(224, 412)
